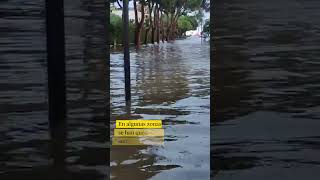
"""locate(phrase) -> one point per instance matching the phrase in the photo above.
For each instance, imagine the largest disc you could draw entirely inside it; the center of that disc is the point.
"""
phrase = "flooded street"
(171, 82)
(267, 84)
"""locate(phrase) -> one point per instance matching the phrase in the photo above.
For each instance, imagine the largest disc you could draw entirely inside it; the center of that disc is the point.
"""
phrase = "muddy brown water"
(171, 82)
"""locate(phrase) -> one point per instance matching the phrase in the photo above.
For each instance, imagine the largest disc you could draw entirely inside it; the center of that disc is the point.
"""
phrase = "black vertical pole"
(201, 35)
(56, 79)
(126, 51)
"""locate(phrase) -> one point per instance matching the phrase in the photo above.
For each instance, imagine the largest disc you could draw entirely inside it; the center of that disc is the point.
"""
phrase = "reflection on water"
(267, 90)
(171, 82)
(24, 145)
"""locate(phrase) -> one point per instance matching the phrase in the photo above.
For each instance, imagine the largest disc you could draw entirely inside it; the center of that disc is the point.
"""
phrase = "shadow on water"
(266, 82)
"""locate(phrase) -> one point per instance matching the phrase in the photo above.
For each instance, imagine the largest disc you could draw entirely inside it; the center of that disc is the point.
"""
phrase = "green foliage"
(184, 24)
(192, 5)
(116, 29)
(206, 26)
(131, 31)
(168, 6)
(177, 19)
(193, 20)
(199, 15)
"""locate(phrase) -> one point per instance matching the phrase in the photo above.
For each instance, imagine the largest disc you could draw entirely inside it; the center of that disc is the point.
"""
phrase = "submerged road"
(171, 82)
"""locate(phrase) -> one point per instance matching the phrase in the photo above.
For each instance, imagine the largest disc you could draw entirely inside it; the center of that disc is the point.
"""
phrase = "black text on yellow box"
(139, 123)
(138, 132)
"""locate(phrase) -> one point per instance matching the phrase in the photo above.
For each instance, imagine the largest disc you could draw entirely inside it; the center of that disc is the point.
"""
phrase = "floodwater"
(25, 143)
(267, 90)
(171, 82)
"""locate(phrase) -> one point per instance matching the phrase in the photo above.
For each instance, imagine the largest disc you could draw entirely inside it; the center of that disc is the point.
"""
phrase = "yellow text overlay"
(138, 132)
(145, 124)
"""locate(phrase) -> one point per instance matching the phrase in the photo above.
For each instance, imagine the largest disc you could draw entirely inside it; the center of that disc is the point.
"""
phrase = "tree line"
(158, 21)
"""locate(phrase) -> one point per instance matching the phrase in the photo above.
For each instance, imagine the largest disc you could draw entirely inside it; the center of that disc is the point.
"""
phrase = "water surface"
(266, 66)
(171, 82)
(24, 133)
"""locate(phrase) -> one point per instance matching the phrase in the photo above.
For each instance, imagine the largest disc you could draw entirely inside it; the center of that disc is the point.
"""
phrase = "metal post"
(56, 78)
(126, 51)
